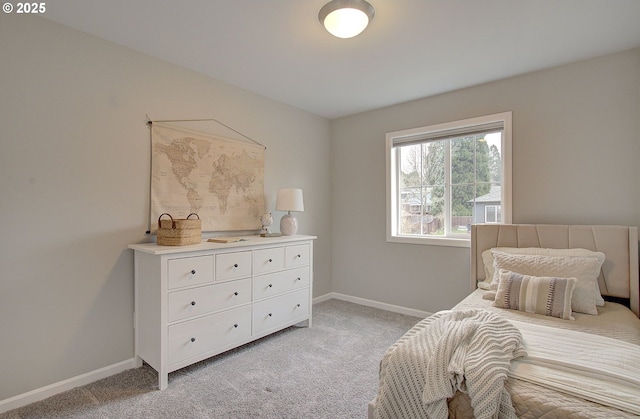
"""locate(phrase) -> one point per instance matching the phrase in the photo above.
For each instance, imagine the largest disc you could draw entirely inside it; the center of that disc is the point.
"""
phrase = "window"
(492, 214)
(443, 178)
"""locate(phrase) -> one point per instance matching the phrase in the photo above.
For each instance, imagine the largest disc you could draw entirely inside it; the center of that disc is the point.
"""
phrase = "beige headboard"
(619, 274)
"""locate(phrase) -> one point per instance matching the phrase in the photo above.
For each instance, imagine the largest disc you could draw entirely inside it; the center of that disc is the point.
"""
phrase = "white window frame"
(461, 127)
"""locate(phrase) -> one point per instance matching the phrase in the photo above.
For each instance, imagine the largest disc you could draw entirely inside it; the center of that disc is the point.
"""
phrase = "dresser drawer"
(271, 314)
(268, 260)
(184, 272)
(233, 266)
(280, 282)
(195, 337)
(196, 301)
(297, 255)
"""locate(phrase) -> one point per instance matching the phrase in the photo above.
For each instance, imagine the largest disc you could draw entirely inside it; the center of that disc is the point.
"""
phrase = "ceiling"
(412, 49)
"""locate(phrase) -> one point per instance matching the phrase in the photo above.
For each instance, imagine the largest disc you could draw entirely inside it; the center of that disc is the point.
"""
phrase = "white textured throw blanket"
(596, 368)
(469, 350)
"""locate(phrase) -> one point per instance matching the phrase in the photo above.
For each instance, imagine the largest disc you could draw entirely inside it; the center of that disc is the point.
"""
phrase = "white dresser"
(196, 301)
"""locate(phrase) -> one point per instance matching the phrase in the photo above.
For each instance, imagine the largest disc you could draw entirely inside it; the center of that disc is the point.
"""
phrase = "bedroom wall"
(576, 144)
(74, 180)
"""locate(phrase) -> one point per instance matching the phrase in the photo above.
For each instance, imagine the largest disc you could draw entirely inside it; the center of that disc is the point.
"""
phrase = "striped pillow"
(541, 295)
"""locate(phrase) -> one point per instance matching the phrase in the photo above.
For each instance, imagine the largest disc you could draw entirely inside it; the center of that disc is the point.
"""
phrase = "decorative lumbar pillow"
(548, 296)
(487, 259)
(584, 269)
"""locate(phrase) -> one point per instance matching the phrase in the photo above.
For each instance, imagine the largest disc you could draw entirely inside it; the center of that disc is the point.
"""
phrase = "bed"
(505, 351)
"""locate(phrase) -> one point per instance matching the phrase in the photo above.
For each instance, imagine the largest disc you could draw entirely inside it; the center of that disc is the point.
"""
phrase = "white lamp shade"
(289, 200)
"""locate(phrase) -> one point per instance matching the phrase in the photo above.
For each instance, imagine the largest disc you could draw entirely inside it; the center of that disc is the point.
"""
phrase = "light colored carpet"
(327, 371)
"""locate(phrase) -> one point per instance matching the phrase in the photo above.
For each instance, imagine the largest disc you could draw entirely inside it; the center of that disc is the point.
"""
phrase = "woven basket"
(179, 232)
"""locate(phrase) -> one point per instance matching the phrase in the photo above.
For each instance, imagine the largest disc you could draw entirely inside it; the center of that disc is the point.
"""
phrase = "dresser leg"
(163, 381)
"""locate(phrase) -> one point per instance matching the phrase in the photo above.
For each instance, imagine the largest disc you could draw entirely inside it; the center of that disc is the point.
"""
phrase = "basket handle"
(173, 223)
(193, 213)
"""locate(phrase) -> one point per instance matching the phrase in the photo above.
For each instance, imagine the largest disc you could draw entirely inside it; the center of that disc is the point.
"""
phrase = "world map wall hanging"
(220, 179)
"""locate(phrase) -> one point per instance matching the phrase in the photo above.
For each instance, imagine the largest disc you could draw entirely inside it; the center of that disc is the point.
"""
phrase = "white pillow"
(487, 259)
(584, 269)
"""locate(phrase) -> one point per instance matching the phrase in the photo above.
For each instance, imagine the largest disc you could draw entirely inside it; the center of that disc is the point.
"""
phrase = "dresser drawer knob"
(235, 325)
(298, 256)
(193, 339)
(193, 303)
(235, 293)
(235, 265)
(193, 272)
(297, 305)
(270, 285)
(270, 314)
(270, 260)
(298, 279)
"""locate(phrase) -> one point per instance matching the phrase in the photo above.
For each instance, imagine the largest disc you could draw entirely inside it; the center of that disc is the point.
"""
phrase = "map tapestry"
(221, 180)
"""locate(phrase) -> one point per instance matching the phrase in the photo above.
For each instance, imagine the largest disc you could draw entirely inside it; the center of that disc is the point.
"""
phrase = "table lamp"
(289, 200)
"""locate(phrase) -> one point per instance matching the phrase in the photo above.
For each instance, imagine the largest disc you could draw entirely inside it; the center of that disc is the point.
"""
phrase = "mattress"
(535, 401)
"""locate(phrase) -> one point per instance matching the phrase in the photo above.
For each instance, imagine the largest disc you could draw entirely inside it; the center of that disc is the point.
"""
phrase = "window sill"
(431, 241)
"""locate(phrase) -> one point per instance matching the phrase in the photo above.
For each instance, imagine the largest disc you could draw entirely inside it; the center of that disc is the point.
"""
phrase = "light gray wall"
(74, 181)
(576, 144)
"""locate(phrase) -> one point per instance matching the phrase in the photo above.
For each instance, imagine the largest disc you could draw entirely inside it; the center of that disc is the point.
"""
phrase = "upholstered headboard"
(619, 274)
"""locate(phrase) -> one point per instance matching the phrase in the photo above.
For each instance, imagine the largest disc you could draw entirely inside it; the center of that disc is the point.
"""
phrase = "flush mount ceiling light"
(346, 18)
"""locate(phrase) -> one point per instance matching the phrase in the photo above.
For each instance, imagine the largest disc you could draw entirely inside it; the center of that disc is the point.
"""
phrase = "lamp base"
(288, 225)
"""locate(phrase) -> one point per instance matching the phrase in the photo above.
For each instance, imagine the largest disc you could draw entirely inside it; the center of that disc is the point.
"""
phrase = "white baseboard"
(372, 303)
(322, 298)
(68, 384)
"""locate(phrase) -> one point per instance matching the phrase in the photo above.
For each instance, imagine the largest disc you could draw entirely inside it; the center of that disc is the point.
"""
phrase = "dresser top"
(155, 249)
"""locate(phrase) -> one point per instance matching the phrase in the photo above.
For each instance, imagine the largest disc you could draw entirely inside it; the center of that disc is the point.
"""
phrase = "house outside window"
(487, 208)
(445, 177)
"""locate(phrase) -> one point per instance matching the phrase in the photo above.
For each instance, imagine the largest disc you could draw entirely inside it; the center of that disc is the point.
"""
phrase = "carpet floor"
(327, 371)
